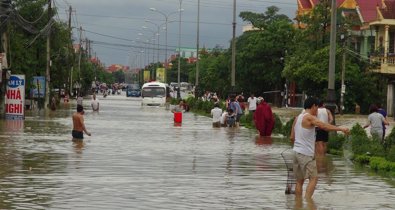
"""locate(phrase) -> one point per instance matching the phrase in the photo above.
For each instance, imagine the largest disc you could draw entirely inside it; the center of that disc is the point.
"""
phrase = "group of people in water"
(310, 136)
(236, 107)
(309, 132)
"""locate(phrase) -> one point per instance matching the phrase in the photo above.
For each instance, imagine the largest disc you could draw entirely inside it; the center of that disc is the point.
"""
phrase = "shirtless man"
(78, 124)
(304, 165)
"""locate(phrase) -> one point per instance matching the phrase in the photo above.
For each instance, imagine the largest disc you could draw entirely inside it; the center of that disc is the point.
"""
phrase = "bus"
(154, 94)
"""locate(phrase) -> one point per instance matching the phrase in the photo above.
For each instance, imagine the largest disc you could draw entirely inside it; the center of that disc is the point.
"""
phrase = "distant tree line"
(278, 51)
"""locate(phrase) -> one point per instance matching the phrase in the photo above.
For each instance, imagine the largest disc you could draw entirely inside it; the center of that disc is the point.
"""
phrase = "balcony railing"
(390, 59)
(383, 64)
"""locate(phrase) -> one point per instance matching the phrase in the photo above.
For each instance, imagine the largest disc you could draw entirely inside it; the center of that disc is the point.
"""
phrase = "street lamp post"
(158, 33)
(233, 73)
(153, 48)
(179, 53)
(197, 53)
(166, 23)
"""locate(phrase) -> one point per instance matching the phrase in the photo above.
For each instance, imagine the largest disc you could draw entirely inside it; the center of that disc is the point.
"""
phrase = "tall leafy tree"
(260, 53)
(308, 59)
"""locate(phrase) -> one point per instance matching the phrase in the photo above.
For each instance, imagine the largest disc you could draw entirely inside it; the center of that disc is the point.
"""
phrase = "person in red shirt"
(263, 118)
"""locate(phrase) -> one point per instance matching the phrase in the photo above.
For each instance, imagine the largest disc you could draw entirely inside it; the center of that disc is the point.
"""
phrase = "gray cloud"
(125, 18)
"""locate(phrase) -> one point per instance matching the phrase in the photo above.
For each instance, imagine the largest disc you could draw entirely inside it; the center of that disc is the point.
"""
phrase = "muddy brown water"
(137, 159)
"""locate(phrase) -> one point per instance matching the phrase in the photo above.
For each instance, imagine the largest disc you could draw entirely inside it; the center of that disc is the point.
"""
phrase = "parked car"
(133, 90)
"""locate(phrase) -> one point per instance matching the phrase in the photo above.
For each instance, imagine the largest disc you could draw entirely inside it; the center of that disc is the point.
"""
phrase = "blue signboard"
(38, 87)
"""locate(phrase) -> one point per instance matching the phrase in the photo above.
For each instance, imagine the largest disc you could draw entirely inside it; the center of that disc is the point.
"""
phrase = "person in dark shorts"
(322, 136)
(78, 124)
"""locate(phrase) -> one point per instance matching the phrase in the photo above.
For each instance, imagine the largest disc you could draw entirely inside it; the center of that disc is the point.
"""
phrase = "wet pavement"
(137, 158)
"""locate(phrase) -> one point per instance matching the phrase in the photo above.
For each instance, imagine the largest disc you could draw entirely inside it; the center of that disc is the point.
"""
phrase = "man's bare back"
(78, 123)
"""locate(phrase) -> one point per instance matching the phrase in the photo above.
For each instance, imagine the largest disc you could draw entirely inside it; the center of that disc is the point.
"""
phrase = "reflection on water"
(263, 140)
(137, 159)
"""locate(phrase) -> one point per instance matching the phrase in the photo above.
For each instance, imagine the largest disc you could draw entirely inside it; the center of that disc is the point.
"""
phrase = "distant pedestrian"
(252, 103)
(95, 103)
(216, 113)
(322, 136)
(376, 121)
(80, 100)
(235, 106)
(263, 118)
(384, 113)
(53, 103)
(66, 98)
(78, 124)
(231, 118)
(179, 107)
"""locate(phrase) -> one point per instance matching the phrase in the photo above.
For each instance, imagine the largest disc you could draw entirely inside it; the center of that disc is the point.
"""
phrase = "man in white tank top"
(322, 136)
(303, 131)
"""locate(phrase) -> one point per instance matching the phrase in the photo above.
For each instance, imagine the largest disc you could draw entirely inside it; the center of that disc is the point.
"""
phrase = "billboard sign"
(160, 75)
(147, 75)
(15, 97)
(38, 87)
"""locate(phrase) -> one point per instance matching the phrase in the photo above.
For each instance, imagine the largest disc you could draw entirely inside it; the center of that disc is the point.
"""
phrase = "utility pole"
(233, 75)
(48, 69)
(343, 88)
(88, 47)
(331, 96)
(179, 55)
(79, 62)
(197, 54)
(4, 10)
(71, 57)
(71, 60)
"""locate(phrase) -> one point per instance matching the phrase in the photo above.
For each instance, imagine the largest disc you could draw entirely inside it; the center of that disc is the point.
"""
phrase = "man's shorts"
(77, 134)
(321, 135)
(304, 166)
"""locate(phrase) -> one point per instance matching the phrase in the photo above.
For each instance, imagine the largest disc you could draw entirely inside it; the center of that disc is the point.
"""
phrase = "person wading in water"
(78, 124)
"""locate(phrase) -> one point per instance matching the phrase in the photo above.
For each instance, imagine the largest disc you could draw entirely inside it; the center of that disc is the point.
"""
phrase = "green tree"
(119, 76)
(307, 61)
(261, 52)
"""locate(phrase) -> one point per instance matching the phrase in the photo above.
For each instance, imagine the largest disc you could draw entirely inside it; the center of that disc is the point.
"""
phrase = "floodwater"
(137, 158)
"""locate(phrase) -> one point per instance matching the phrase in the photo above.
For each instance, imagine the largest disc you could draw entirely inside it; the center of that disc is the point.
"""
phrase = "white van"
(154, 94)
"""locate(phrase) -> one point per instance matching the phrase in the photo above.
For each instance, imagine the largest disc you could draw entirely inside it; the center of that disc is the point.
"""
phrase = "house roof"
(368, 9)
(305, 4)
(347, 4)
(388, 11)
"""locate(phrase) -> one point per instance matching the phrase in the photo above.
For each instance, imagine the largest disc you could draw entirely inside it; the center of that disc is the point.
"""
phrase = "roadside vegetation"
(358, 146)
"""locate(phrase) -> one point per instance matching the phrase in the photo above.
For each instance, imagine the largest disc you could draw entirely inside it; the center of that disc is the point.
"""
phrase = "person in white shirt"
(304, 164)
(95, 103)
(322, 136)
(79, 100)
(376, 122)
(252, 103)
(216, 112)
(223, 118)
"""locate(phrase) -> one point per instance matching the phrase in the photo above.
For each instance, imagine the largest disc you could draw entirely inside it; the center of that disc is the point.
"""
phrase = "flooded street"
(137, 159)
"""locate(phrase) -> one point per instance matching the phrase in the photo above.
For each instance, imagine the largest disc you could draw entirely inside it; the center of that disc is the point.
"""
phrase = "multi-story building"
(374, 39)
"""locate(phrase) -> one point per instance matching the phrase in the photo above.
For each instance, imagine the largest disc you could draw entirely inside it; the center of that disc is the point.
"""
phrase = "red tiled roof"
(314, 3)
(389, 11)
(368, 9)
(339, 2)
(305, 4)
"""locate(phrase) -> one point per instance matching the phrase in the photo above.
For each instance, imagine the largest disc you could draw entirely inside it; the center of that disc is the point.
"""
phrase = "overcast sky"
(116, 26)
